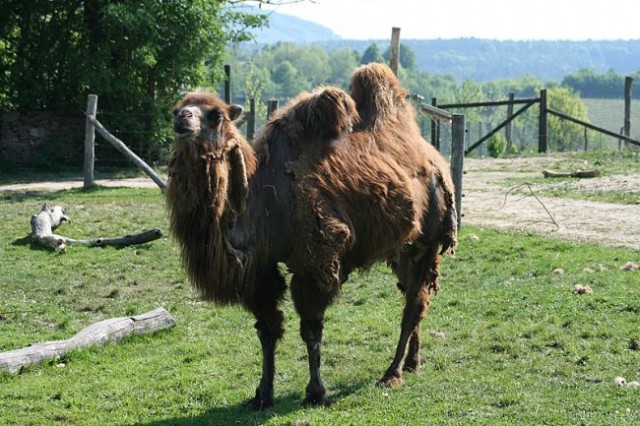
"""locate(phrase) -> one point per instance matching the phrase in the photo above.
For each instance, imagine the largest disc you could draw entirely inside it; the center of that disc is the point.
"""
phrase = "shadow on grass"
(241, 414)
(28, 241)
(21, 196)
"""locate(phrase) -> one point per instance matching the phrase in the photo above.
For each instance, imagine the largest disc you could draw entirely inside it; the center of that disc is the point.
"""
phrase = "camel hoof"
(316, 402)
(390, 382)
(411, 366)
(316, 396)
(258, 403)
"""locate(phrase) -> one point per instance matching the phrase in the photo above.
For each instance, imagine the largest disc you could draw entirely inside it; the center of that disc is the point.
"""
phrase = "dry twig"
(528, 185)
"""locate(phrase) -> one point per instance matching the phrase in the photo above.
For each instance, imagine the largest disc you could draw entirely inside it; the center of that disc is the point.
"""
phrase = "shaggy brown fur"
(320, 197)
(208, 190)
(384, 110)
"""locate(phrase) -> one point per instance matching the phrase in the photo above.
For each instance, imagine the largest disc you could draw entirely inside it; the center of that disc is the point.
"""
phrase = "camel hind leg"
(418, 278)
(412, 360)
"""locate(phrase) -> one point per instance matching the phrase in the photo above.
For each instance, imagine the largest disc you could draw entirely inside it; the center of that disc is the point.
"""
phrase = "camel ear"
(235, 111)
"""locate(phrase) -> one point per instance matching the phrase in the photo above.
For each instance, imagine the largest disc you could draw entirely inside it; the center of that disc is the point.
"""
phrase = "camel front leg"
(270, 328)
(311, 332)
(268, 333)
(311, 304)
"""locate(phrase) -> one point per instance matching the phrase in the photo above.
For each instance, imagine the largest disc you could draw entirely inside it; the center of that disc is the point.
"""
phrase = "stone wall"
(33, 139)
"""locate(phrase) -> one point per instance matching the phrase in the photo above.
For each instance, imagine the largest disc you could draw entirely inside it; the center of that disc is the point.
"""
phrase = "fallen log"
(49, 219)
(107, 331)
(582, 174)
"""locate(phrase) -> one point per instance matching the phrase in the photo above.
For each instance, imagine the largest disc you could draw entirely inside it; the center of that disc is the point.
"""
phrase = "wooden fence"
(92, 125)
(544, 112)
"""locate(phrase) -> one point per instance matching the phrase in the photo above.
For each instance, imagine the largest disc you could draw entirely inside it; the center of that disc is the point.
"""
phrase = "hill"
(487, 60)
(472, 58)
(286, 28)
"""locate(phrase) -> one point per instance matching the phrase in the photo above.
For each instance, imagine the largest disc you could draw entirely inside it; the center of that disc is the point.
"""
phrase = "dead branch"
(110, 330)
(582, 174)
(49, 218)
(528, 185)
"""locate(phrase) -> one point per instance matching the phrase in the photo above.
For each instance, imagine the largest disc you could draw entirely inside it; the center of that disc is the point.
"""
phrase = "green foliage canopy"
(564, 135)
(591, 84)
(137, 56)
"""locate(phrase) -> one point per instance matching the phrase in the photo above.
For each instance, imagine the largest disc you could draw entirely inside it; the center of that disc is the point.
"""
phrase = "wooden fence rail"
(545, 111)
(89, 147)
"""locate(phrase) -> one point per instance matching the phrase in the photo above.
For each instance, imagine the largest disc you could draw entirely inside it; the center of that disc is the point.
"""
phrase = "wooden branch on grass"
(582, 174)
(107, 331)
(49, 218)
(528, 185)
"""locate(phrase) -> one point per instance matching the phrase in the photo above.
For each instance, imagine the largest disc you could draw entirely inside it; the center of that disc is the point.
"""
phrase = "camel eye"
(215, 116)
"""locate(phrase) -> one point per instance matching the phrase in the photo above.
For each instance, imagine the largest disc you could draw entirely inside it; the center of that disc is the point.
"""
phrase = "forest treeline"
(487, 60)
(281, 70)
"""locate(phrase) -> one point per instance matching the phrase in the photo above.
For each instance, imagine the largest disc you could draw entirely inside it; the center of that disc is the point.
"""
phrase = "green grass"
(518, 348)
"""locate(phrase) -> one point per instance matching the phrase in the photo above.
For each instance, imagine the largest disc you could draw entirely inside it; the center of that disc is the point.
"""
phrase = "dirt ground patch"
(486, 201)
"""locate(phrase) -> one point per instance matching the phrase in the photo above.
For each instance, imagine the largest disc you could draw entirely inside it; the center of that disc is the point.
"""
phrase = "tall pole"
(394, 50)
(627, 107)
(457, 159)
(542, 122)
(251, 121)
(89, 142)
(509, 127)
(435, 124)
(227, 84)
(272, 106)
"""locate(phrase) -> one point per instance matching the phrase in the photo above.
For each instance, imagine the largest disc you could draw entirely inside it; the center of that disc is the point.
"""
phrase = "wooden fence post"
(457, 159)
(227, 84)
(435, 135)
(394, 50)
(272, 106)
(89, 142)
(627, 108)
(586, 140)
(508, 129)
(542, 122)
(251, 120)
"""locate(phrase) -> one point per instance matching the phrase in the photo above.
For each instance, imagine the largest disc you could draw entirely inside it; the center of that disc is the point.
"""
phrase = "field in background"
(609, 114)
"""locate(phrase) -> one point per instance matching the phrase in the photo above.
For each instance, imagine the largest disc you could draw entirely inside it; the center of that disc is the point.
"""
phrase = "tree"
(371, 54)
(289, 80)
(564, 135)
(342, 62)
(407, 57)
(591, 84)
(312, 62)
(137, 56)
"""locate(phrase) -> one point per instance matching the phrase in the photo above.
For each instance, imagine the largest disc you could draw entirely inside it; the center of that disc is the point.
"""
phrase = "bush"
(497, 145)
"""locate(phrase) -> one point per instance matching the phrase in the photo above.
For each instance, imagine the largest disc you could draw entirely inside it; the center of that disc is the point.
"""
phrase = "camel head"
(200, 118)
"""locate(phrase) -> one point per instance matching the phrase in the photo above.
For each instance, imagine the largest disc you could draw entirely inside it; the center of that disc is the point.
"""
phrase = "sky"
(493, 19)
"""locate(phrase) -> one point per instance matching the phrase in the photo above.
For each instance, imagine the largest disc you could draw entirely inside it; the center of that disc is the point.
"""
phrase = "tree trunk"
(107, 331)
(577, 174)
(49, 218)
